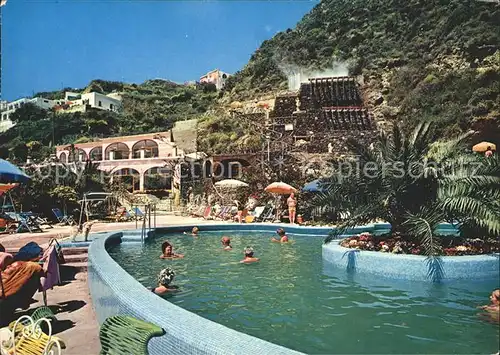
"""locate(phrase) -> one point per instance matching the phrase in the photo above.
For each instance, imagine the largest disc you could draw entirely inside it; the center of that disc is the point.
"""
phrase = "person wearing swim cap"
(282, 235)
(165, 277)
(226, 243)
(249, 258)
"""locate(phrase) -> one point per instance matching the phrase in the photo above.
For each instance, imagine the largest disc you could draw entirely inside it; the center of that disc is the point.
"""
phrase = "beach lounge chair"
(208, 212)
(257, 212)
(62, 218)
(126, 335)
(137, 213)
(268, 214)
(25, 222)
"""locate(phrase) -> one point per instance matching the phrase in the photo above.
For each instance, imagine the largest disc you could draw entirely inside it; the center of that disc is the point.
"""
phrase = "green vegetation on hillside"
(440, 57)
(152, 106)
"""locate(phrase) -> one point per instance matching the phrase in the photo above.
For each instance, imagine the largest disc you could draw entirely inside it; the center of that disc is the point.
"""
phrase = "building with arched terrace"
(142, 162)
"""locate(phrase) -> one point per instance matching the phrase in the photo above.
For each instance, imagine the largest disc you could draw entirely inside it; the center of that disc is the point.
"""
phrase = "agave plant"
(415, 184)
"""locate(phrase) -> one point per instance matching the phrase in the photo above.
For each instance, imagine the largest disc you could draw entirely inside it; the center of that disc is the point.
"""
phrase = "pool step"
(76, 258)
(75, 251)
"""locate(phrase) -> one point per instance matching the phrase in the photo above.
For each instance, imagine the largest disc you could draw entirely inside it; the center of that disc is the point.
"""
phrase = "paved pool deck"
(17, 240)
(77, 323)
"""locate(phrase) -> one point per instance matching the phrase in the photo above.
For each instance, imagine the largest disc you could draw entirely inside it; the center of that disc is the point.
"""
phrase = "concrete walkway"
(17, 240)
(71, 302)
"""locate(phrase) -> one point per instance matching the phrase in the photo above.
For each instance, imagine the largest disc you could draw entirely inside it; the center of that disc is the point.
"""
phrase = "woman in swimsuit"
(168, 252)
(165, 277)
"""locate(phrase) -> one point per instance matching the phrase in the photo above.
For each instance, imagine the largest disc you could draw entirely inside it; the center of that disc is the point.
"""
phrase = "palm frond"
(423, 226)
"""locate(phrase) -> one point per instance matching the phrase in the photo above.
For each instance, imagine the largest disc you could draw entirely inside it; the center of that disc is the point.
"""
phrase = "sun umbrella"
(280, 188)
(11, 173)
(6, 187)
(483, 146)
(312, 186)
(231, 183)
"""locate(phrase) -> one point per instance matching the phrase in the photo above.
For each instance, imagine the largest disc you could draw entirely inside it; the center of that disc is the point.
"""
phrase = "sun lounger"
(137, 213)
(257, 212)
(208, 212)
(27, 222)
(268, 214)
(62, 218)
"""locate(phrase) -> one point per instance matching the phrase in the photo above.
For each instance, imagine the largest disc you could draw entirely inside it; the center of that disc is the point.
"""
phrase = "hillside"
(417, 60)
(152, 106)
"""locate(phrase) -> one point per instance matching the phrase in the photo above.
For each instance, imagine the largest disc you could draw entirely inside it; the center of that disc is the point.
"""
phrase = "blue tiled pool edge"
(411, 267)
(114, 292)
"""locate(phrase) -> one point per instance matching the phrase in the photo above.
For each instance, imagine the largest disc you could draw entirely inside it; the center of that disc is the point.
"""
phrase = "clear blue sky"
(48, 45)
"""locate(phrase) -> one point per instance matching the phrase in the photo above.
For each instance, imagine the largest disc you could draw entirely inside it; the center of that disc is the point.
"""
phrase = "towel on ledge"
(51, 270)
(16, 275)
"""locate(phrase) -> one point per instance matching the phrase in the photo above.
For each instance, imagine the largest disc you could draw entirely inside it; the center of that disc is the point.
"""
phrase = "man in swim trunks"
(292, 207)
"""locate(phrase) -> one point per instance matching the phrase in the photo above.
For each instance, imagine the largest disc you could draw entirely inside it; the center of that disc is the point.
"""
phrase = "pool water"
(293, 299)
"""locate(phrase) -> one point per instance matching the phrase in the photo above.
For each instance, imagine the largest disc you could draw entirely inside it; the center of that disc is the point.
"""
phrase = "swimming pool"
(293, 299)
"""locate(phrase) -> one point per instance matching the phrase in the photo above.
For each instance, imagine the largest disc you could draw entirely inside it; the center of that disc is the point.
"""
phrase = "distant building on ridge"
(216, 77)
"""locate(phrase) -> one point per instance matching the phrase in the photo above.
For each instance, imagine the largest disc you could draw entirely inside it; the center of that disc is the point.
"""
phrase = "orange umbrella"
(6, 187)
(483, 146)
(280, 188)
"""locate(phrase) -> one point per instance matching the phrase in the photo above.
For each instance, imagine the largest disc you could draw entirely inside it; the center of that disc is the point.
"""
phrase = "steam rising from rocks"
(297, 75)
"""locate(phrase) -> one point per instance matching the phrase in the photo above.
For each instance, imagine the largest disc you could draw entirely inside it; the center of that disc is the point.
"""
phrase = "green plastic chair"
(39, 313)
(126, 335)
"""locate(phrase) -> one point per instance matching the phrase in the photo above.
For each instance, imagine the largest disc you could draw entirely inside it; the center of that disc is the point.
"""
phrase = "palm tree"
(414, 185)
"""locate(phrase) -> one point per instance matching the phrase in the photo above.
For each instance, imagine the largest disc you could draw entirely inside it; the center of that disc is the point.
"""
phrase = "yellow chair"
(29, 339)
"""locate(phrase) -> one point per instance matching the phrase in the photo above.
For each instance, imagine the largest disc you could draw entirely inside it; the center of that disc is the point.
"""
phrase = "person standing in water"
(167, 250)
(282, 235)
(194, 231)
(493, 308)
(226, 243)
(292, 207)
(165, 277)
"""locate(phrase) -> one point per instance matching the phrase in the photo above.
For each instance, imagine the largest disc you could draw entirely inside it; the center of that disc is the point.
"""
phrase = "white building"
(8, 108)
(72, 102)
(75, 102)
(216, 77)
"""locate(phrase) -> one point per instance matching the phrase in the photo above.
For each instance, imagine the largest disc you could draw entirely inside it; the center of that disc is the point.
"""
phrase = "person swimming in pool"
(194, 231)
(249, 258)
(226, 243)
(168, 251)
(282, 235)
(165, 277)
(493, 308)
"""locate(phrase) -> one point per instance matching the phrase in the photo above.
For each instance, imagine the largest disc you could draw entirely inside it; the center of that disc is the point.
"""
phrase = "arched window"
(156, 179)
(118, 151)
(149, 146)
(63, 158)
(130, 178)
(96, 154)
(77, 154)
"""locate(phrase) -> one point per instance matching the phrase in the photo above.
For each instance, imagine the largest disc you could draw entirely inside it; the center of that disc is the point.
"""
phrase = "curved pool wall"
(114, 291)
(413, 267)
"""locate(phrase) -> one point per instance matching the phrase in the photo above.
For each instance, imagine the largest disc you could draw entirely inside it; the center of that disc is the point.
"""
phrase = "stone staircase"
(76, 259)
